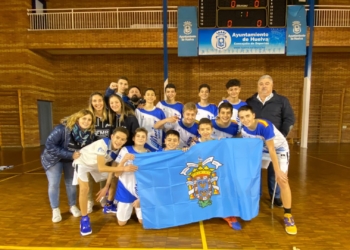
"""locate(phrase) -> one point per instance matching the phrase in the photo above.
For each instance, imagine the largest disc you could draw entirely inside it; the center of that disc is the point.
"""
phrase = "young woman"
(61, 148)
(98, 107)
(121, 115)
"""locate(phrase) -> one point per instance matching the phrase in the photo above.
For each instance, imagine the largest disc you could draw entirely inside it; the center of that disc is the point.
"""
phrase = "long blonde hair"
(71, 120)
(125, 110)
(92, 109)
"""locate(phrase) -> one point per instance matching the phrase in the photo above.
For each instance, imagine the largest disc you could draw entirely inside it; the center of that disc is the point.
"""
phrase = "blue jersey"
(147, 119)
(127, 186)
(266, 131)
(124, 97)
(210, 112)
(186, 133)
(235, 110)
(170, 110)
(230, 131)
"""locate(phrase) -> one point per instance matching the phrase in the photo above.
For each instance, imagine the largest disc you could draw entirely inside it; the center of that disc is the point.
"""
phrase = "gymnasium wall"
(330, 76)
(29, 73)
(25, 77)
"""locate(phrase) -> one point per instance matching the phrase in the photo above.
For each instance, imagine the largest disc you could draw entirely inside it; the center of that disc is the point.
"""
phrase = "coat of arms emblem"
(187, 28)
(221, 40)
(202, 181)
(296, 27)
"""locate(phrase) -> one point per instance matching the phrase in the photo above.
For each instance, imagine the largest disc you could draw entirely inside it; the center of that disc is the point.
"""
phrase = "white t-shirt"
(147, 119)
(88, 154)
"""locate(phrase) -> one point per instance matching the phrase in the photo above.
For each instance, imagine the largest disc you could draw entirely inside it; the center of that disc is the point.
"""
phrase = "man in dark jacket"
(133, 99)
(267, 104)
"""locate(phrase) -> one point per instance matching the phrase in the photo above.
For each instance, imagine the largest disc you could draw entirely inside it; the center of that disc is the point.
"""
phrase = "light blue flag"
(219, 178)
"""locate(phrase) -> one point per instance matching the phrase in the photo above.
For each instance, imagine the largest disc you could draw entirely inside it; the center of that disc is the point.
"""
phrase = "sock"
(287, 210)
(84, 217)
(109, 203)
(233, 219)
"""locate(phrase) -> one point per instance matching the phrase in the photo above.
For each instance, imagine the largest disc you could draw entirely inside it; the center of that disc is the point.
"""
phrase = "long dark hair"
(125, 110)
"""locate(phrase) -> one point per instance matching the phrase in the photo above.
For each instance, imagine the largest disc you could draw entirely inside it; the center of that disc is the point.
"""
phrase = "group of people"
(99, 143)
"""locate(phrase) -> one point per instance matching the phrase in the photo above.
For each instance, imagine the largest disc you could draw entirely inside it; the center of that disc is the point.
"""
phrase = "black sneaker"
(278, 202)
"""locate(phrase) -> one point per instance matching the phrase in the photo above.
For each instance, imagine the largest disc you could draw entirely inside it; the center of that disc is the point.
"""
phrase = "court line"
(328, 161)
(8, 179)
(33, 173)
(27, 172)
(204, 239)
(35, 169)
(25, 163)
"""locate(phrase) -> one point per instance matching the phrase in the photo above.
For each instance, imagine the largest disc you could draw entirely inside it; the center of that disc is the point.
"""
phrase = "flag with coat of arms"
(218, 178)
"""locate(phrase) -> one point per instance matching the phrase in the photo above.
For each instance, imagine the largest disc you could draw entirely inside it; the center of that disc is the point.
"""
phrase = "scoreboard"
(242, 13)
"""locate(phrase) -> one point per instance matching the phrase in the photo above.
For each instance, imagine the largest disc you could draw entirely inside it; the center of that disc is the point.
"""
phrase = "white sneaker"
(75, 211)
(90, 206)
(56, 215)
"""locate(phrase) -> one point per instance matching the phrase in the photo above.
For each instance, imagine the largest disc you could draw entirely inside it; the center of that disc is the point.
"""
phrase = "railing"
(332, 16)
(101, 18)
(148, 18)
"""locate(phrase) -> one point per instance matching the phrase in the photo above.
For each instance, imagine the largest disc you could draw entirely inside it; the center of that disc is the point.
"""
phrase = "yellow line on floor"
(204, 239)
(80, 248)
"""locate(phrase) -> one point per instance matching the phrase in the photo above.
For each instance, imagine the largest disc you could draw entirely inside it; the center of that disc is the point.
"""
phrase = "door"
(45, 120)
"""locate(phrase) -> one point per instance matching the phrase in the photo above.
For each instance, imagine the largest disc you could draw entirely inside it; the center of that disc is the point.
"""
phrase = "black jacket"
(102, 129)
(130, 123)
(277, 110)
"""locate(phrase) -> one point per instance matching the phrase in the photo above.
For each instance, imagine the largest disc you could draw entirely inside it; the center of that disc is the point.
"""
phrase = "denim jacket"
(56, 147)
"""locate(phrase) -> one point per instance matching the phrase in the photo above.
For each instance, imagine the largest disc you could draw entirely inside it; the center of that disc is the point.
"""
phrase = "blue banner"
(187, 31)
(219, 178)
(296, 30)
(243, 41)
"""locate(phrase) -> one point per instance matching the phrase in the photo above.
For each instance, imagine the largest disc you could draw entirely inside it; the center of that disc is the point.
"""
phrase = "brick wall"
(333, 2)
(21, 69)
(88, 73)
(68, 80)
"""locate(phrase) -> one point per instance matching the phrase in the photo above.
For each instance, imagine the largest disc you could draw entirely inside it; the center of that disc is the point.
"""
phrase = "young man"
(205, 130)
(233, 87)
(275, 149)
(186, 127)
(147, 117)
(205, 109)
(93, 159)
(172, 140)
(126, 194)
(120, 87)
(170, 106)
(223, 126)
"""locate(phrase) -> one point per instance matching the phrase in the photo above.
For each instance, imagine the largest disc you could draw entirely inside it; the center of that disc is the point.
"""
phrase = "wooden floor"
(320, 182)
